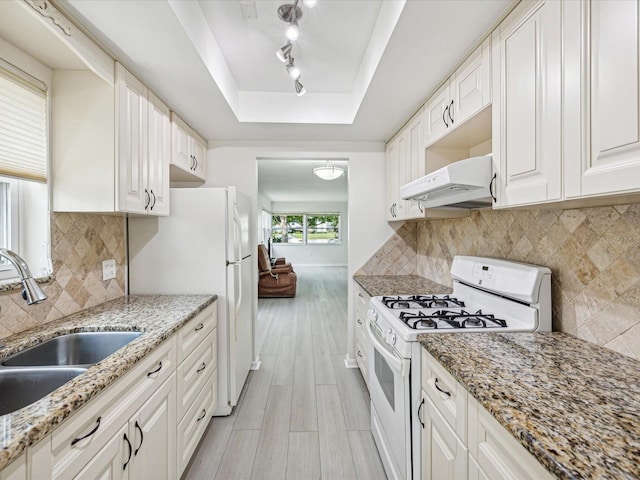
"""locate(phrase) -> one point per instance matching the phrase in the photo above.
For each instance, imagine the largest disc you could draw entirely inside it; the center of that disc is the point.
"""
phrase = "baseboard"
(255, 365)
(350, 362)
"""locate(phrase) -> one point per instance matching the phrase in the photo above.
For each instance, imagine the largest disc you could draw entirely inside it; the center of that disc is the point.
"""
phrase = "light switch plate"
(109, 269)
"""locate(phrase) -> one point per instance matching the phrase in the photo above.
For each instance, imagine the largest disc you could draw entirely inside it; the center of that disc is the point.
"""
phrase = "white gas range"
(489, 295)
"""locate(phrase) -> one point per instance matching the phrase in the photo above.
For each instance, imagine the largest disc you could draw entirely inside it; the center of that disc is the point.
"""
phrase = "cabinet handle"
(360, 354)
(196, 165)
(124, 467)
(360, 294)
(435, 383)
(148, 197)
(359, 321)
(95, 429)
(202, 367)
(451, 108)
(141, 438)
(493, 179)
(155, 371)
(198, 328)
(154, 200)
(191, 157)
(419, 417)
(202, 415)
(420, 207)
(443, 116)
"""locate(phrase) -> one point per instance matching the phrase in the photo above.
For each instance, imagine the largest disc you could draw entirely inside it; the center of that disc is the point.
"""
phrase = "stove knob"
(373, 315)
(392, 339)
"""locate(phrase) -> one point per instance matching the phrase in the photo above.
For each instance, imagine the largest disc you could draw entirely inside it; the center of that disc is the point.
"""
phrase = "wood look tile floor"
(303, 415)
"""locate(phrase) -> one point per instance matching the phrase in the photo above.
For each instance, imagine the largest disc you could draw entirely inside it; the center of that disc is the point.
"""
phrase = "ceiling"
(367, 64)
(286, 180)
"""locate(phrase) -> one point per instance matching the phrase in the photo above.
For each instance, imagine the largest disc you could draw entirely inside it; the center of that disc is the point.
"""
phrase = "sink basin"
(85, 348)
(20, 387)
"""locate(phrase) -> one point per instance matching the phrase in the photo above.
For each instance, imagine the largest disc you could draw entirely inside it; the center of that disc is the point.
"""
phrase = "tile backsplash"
(594, 255)
(79, 244)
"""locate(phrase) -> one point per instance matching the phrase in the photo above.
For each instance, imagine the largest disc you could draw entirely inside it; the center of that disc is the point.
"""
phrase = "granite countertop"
(376, 285)
(574, 405)
(158, 316)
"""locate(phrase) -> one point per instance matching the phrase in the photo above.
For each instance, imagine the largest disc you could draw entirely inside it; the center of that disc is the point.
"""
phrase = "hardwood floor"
(303, 415)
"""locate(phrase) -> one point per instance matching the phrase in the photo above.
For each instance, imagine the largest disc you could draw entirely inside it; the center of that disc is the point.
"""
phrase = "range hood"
(462, 184)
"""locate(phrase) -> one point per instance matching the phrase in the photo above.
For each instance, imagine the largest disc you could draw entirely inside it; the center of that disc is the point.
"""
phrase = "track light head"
(300, 90)
(285, 52)
(292, 70)
(292, 32)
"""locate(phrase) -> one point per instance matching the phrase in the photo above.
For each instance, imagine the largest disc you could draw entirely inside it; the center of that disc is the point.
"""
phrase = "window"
(305, 228)
(24, 207)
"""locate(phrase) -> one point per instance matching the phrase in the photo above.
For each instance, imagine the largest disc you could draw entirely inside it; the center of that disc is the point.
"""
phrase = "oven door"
(389, 391)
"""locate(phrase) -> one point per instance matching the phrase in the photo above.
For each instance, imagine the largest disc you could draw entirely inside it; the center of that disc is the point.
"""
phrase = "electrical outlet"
(108, 269)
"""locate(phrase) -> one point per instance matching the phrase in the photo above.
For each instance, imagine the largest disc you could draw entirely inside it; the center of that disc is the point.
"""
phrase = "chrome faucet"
(31, 292)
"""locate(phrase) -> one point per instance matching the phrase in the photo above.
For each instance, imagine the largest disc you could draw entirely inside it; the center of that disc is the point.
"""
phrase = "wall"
(315, 255)
(236, 164)
(79, 244)
(594, 255)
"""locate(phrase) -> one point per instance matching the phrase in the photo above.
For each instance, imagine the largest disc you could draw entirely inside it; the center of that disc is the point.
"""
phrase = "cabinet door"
(159, 153)
(391, 179)
(436, 115)
(404, 150)
(132, 143)
(153, 435)
(110, 463)
(527, 142)
(471, 84)
(614, 162)
(444, 457)
(180, 144)
(199, 152)
(415, 163)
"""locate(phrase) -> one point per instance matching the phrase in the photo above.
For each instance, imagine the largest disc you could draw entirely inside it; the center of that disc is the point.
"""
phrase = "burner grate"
(422, 301)
(451, 319)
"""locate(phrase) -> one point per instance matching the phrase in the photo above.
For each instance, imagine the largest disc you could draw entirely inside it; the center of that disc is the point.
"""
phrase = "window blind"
(23, 128)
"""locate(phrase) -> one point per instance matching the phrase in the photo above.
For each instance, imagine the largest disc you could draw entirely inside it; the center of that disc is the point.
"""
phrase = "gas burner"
(450, 319)
(421, 301)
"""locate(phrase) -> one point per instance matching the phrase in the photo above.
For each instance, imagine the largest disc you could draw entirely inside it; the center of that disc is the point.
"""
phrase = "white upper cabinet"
(527, 143)
(602, 90)
(391, 179)
(188, 152)
(110, 145)
(465, 93)
(405, 163)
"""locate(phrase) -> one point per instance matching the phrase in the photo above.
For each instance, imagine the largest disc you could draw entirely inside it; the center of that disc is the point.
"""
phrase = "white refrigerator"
(204, 247)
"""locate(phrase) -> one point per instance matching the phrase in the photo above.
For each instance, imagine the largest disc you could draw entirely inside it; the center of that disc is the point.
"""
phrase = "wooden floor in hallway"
(302, 415)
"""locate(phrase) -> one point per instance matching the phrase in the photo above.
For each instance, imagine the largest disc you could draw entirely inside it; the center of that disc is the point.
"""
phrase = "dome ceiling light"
(329, 171)
(291, 13)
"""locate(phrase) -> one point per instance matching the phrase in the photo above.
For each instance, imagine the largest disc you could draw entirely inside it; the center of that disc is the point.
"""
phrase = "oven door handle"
(400, 364)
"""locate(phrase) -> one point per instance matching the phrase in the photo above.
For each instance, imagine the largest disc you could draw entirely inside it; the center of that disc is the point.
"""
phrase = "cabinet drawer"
(195, 371)
(362, 302)
(449, 397)
(102, 418)
(196, 330)
(195, 422)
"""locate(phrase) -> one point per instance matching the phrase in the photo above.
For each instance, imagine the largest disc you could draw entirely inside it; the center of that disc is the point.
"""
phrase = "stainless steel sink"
(85, 348)
(21, 386)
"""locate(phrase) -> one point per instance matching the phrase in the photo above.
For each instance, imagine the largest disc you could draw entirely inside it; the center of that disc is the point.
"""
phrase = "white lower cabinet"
(461, 440)
(444, 456)
(361, 301)
(108, 463)
(146, 425)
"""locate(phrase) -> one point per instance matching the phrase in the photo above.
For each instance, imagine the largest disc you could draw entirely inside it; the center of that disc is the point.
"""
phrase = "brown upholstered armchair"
(278, 280)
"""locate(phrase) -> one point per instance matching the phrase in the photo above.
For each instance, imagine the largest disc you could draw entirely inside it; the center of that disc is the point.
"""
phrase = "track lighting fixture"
(285, 52)
(291, 13)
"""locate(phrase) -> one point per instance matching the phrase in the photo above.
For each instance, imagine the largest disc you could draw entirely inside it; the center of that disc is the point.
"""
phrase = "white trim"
(350, 362)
